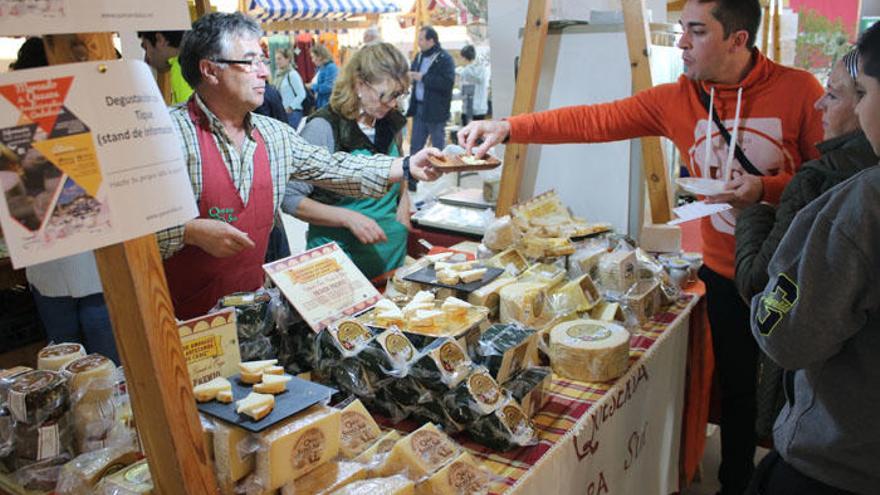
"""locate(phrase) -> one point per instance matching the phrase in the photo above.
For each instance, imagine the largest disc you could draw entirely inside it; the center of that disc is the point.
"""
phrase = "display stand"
(147, 338)
(534, 39)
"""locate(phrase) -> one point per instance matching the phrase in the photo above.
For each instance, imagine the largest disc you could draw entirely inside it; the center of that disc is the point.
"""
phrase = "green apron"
(372, 259)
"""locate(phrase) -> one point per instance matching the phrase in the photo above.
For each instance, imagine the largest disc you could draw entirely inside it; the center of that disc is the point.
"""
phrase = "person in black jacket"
(433, 75)
(761, 227)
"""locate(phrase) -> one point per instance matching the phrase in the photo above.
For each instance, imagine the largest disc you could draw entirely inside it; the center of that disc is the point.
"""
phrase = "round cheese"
(53, 357)
(37, 395)
(589, 350)
(522, 302)
(90, 377)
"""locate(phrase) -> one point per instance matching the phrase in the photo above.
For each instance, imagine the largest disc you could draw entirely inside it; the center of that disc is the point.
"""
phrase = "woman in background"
(290, 85)
(326, 76)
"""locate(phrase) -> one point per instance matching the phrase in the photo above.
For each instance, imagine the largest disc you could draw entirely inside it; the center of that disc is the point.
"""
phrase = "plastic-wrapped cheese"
(53, 357)
(381, 446)
(421, 453)
(501, 234)
(231, 463)
(522, 302)
(49, 439)
(7, 376)
(462, 476)
(329, 477)
(37, 395)
(359, 430)
(488, 296)
(79, 476)
(297, 447)
(392, 485)
(90, 377)
(589, 350)
(617, 270)
(133, 480)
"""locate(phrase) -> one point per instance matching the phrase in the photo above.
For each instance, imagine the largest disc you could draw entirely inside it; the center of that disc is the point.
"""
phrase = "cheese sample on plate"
(447, 277)
(462, 476)
(53, 357)
(329, 477)
(427, 318)
(359, 430)
(298, 446)
(589, 350)
(134, 479)
(252, 371)
(455, 308)
(229, 460)
(208, 391)
(392, 485)
(272, 384)
(522, 302)
(256, 405)
(421, 453)
(474, 275)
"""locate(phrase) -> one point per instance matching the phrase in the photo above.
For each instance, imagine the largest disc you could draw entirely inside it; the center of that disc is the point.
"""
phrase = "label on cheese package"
(359, 430)
(421, 453)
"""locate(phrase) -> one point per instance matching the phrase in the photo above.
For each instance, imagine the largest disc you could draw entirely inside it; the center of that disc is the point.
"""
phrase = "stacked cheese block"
(91, 380)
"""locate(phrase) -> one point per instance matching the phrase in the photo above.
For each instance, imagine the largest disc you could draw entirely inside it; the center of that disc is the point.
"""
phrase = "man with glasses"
(239, 164)
(433, 76)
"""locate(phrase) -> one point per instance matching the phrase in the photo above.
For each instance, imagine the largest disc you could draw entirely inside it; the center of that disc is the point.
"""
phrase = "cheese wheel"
(462, 476)
(37, 395)
(522, 302)
(298, 446)
(229, 462)
(53, 357)
(90, 378)
(392, 485)
(359, 430)
(589, 350)
(420, 453)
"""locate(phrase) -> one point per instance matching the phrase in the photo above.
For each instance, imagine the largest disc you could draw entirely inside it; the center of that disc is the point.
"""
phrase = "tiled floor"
(707, 483)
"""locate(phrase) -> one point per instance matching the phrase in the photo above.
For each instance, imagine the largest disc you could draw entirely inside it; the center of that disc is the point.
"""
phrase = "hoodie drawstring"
(732, 147)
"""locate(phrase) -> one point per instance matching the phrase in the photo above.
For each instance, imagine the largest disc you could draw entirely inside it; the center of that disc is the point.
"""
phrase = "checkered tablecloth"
(569, 401)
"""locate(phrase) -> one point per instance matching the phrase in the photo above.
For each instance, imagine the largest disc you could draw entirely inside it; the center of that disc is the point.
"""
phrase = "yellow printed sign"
(210, 346)
(314, 271)
(75, 155)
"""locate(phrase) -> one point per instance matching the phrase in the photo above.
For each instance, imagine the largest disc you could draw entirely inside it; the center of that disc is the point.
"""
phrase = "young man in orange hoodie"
(778, 128)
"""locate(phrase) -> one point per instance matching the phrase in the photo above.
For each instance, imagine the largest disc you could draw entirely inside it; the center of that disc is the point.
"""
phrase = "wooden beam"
(654, 164)
(202, 7)
(525, 92)
(777, 32)
(146, 335)
(765, 26)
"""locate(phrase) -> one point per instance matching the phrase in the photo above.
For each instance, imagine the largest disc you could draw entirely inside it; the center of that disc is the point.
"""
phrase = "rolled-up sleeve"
(295, 192)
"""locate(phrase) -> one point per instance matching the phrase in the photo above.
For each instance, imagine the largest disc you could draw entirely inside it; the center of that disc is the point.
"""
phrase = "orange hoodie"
(778, 130)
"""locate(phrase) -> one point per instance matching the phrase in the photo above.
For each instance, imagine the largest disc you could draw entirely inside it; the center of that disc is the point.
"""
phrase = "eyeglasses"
(387, 99)
(248, 64)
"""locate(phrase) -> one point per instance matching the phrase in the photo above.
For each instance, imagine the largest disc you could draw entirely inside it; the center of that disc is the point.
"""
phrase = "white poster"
(88, 158)
(34, 17)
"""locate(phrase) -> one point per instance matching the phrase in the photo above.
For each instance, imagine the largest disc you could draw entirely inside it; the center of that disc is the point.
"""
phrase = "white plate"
(700, 185)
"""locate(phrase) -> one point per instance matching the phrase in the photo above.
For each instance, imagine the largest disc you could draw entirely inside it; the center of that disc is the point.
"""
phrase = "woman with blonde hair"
(363, 117)
(290, 85)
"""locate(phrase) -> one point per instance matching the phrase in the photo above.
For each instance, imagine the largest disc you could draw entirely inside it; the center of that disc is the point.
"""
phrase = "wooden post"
(654, 165)
(202, 7)
(525, 92)
(765, 26)
(777, 32)
(147, 337)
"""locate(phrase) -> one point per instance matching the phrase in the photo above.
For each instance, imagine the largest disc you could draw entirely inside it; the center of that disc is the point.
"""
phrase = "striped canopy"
(286, 10)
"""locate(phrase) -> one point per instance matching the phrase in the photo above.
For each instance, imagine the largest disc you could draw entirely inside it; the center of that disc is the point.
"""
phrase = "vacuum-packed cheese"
(617, 270)
(392, 485)
(133, 480)
(37, 395)
(589, 350)
(90, 378)
(462, 476)
(329, 477)
(522, 302)
(359, 430)
(53, 357)
(421, 453)
(501, 234)
(230, 462)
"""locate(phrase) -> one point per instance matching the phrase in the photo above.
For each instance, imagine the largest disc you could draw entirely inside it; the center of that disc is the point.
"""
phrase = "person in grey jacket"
(820, 315)
(759, 228)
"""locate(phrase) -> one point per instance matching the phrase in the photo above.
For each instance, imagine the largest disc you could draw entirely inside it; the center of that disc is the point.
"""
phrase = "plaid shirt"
(289, 157)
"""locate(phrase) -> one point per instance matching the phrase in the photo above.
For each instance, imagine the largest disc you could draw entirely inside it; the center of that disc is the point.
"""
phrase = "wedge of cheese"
(427, 318)
(329, 477)
(274, 370)
(448, 277)
(462, 476)
(392, 485)
(522, 302)
(420, 453)
(256, 366)
(224, 396)
(208, 391)
(589, 350)
(456, 309)
(380, 447)
(256, 405)
(358, 429)
(298, 446)
(230, 461)
(488, 296)
(272, 384)
(472, 275)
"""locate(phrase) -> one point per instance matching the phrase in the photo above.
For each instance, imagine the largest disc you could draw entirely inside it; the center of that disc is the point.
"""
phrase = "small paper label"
(47, 442)
(17, 405)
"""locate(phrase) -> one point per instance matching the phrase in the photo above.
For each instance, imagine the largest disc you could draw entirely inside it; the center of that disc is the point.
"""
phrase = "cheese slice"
(254, 367)
(359, 430)
(427, 318)
(53, 357)
(209, 390)
(230, 463)
(329, 477)
(224, 396)
(589, 350)
(392, 485)
(420, 453)
(384, 305)
(255, 405)
(472, 275)
(448, 277)
(434, 258)
(251, 378)
(298, 446)
(272, 384)
(423, 296)
(273, 370)
(462, 476)
(455, 308)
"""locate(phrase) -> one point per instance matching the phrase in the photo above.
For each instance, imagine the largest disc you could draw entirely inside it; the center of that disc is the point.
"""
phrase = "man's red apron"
(196, 279)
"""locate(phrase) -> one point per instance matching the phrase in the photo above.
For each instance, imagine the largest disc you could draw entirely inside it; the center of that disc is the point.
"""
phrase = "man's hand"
(219, 239)
(491, 131)
(415, 76)
(743, 191)
(421, 168)
(363, 227)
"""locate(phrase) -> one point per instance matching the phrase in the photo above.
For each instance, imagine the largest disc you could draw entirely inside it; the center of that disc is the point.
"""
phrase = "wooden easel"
(147, 338)
(531, 58)
(771, 24)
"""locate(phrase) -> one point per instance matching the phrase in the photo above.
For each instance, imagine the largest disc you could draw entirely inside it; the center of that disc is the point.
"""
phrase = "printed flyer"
(27, 17)
(88, 158)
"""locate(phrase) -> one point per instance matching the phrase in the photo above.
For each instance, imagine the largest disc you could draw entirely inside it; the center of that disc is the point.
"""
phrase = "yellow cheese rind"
(297, 446)
(420, 453)
(522, 302)
(230, 464)
(359, 430)
(392, 485)
(589, 350)
(462, 476)
(329, 477)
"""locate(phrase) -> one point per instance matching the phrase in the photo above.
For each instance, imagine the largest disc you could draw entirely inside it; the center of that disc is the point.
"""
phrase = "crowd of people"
(789, 271)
